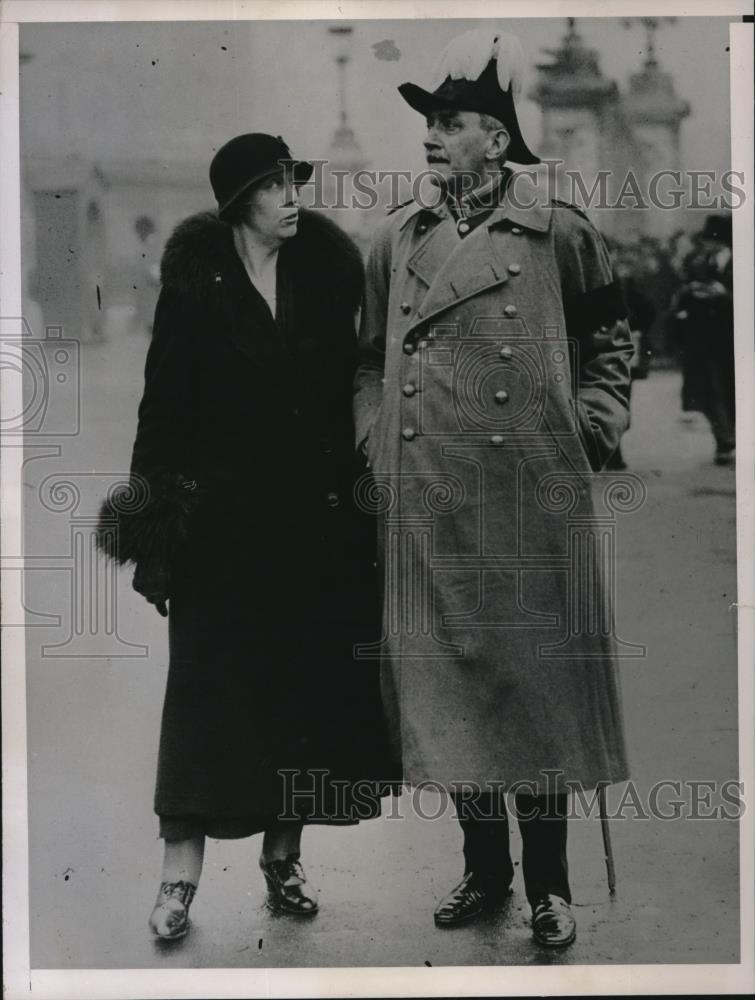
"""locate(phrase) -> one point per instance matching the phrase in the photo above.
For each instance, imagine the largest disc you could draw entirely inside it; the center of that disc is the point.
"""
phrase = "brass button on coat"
(408, 434)
(497, 439)
(501, 396)
(409, 389)
(516, 230)
(510, 311)
(514, 269)
(334, 500)
(408, 348)
(405, 308)
(506, 352)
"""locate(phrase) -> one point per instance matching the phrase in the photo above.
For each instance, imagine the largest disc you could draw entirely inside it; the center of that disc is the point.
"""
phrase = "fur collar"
(201, 248)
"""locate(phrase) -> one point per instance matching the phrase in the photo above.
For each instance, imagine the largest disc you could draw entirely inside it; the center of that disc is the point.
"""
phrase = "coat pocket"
(588, 438)
(373, 441)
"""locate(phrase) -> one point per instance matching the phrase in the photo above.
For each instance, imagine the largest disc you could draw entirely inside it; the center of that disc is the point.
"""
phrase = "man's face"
(455, 148)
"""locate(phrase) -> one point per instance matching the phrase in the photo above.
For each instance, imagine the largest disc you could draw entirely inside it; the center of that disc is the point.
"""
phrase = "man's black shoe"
(470, 897)
(553, 923)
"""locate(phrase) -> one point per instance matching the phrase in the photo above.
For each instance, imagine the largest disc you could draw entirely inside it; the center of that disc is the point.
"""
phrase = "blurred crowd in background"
(679, 297)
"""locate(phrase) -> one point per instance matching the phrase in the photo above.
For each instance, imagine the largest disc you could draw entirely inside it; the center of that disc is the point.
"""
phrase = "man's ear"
(498, 143)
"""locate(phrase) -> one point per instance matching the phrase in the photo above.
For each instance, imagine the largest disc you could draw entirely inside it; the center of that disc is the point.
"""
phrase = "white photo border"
(19, 979)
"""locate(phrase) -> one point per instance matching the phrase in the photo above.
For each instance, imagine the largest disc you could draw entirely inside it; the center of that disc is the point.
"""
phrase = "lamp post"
(345, 152)
(344, 155)
(341, 33)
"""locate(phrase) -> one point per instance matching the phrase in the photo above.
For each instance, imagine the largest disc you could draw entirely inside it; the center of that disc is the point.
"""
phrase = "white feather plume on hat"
(467, 55)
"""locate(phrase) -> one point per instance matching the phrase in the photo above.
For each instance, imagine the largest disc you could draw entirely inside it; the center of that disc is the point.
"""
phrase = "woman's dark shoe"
(288, 887)
(470, 897)
(170, 918)
(553, 923)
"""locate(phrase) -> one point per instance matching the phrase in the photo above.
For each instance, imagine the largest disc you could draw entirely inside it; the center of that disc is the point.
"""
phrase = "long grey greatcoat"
(493, 378)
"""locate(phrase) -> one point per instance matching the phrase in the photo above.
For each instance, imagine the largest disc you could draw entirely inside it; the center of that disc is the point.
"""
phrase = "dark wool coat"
(704, 328)
(494, 375)
(272, 583)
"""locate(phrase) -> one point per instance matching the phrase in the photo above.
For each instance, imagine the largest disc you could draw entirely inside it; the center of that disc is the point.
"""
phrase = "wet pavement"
(93, 726)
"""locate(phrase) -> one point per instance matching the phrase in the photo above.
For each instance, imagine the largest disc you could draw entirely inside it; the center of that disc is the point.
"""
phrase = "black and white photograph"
(377, 502)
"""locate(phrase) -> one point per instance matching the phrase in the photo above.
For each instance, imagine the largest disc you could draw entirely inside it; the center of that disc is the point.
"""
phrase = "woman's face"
(273, 209)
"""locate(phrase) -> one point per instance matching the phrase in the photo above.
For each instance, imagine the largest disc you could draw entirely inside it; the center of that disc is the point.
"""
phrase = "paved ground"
(93, 724)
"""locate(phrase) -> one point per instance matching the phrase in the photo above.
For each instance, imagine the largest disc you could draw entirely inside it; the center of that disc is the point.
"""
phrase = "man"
(703, 310)
(494, 373)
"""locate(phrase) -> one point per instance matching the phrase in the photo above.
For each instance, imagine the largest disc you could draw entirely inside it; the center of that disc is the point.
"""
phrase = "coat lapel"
(432, 252)
(453, 269)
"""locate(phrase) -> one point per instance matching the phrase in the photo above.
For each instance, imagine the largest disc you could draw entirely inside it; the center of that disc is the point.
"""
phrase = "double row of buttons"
(410, 348)
(501, 397)
(409, 434)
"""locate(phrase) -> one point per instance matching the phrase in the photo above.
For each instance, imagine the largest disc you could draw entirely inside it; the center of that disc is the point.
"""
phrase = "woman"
(250, 533)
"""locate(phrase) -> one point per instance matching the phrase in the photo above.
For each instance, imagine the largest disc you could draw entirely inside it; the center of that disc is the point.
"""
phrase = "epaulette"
(401, 204)
(574, 208)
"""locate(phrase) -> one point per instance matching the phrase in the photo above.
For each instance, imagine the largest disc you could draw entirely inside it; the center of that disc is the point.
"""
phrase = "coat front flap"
(455, 272)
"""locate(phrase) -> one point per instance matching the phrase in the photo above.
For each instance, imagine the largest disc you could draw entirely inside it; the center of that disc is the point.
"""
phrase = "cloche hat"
(247, 159)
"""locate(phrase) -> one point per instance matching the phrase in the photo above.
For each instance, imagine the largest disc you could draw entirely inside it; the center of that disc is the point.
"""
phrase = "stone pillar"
(576, 100)
(655, 114)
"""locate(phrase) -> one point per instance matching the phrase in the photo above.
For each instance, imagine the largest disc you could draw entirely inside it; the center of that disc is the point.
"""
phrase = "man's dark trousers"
(542, 823)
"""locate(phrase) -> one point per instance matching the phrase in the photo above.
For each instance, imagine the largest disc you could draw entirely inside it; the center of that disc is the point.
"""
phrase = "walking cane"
(606, 840)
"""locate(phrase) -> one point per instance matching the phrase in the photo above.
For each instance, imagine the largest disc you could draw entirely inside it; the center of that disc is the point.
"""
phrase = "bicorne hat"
(481, 71)
(249, 158)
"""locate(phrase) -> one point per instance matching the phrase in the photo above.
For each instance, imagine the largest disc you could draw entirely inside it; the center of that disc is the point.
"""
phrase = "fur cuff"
(147, 522)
